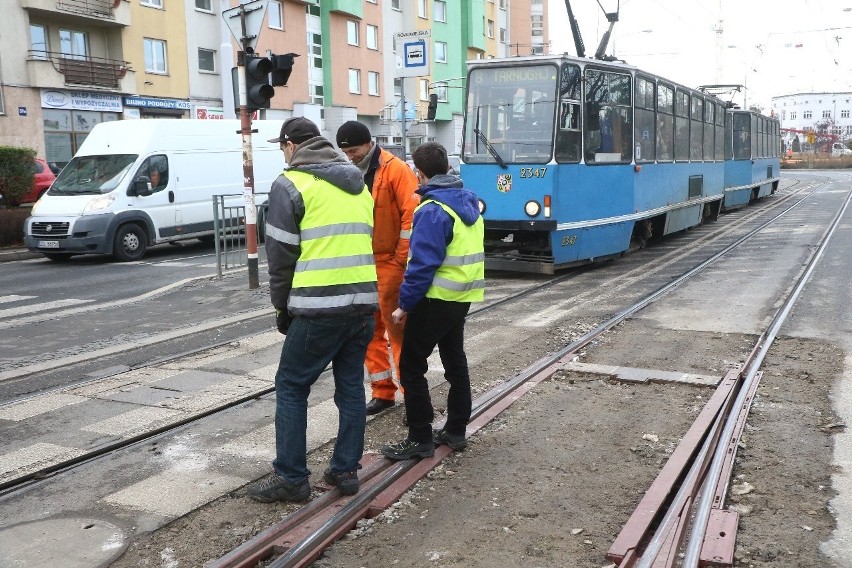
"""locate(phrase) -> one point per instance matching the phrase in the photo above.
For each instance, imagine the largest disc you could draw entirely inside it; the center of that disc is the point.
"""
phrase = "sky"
(772, 48)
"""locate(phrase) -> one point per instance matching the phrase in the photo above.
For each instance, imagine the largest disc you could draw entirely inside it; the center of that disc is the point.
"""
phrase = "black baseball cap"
(297, 130)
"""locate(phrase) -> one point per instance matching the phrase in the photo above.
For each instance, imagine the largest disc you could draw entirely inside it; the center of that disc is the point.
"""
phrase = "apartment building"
(89, 61)
(825, 114)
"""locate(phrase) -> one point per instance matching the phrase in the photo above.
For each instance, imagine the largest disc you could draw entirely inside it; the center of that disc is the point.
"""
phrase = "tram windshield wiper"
(490, 148)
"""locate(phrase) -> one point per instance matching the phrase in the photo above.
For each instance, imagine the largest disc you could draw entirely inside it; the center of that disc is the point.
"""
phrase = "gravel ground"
(553, 479)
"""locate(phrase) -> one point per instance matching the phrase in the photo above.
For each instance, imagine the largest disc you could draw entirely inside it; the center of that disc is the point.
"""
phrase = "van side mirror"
(141, 186)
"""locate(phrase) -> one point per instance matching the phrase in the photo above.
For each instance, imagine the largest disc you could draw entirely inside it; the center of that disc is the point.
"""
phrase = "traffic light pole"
(248, 176)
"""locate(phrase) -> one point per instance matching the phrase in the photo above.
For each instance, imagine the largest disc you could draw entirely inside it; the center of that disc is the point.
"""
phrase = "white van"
(838, 149)
(137, 183)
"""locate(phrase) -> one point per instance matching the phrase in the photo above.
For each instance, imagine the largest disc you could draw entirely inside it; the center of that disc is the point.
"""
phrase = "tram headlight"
(532, 208)
(481, 206)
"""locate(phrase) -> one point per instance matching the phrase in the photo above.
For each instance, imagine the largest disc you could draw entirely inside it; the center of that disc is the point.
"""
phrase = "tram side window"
(681, 126)
(742, 136)
(665, 123)
(608, 128)
(755, 138)
(645, 124)
(709, 119)
(568, 128)
(719, 154)
(696, 133)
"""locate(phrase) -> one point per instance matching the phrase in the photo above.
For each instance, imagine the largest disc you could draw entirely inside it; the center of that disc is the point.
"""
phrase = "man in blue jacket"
(446, 272)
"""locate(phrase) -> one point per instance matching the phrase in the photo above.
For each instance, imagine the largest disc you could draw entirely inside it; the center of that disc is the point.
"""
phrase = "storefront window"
(65, 131)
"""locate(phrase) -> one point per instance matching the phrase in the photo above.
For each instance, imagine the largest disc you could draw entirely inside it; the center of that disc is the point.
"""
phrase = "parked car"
(42, 180)
(838, 149)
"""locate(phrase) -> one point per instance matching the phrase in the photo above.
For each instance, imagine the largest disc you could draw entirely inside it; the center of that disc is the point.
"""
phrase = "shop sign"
(148, 102)
(207, 113)
(80, 100)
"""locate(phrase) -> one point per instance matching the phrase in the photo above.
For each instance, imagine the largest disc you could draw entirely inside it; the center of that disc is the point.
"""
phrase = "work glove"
(282, 320)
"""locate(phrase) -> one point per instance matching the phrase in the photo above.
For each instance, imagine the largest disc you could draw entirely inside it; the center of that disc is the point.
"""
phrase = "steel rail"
(763, 344)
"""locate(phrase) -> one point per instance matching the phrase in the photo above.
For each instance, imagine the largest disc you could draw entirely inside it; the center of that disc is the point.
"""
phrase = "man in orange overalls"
(393, 186)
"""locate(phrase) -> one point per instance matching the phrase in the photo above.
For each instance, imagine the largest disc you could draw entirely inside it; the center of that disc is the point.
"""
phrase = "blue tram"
(576, 160)
(752, 157)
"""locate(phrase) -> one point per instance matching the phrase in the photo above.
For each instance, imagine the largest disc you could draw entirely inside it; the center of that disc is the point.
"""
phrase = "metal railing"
(229, 226)
(93, 8)
(80, 70)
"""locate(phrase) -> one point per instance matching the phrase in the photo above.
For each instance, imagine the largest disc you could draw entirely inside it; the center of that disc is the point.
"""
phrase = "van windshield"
(92, 174)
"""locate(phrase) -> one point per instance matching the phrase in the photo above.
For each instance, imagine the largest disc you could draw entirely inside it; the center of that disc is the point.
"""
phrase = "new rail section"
(577, 159)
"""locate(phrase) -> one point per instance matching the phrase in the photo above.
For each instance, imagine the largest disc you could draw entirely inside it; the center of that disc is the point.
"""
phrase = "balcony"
(106, 13)
(52, 70)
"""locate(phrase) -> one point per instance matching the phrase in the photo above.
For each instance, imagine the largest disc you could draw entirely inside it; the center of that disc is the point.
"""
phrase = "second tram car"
(576, 160)
(752, 157)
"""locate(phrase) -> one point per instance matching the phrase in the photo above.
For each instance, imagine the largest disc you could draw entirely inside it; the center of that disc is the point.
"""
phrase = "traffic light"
(258, 89)
(282, 66)
(433, 107)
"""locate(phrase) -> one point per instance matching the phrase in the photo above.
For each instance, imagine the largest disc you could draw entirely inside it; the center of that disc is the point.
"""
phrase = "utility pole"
(250, 75)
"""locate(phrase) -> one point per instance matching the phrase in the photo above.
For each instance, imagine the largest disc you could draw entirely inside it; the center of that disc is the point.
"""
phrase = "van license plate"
(48, 244)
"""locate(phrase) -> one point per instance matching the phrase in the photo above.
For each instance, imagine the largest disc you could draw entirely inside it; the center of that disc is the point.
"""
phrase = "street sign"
(255, 11)
(412, 50)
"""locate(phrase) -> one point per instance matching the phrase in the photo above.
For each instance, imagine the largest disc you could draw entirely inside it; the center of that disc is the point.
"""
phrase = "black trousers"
(435, 322)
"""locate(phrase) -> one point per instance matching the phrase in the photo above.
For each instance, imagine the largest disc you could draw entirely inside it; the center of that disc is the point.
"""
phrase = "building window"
(315, 43)
(489, 28)
(844, 114)
(807, 114)
(317, 95)
(441, 90)
(440, 52)
(373, 83)
(503, 35)
(206, 60)
(152, 3)
(424, 89)
(203, 5)
(439, 11)
(313, 9)
(38, 42)
(276, 18)
(355, 81)
(372, 37)
(74, 44)
(397, 87)
(395, 4)
(826, 114)
(352, 32)
(421, 8)
(155, 56)
(849, 130)
(793, 115)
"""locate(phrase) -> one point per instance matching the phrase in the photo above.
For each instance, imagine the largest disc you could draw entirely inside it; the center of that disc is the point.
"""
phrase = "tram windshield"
(510, 113)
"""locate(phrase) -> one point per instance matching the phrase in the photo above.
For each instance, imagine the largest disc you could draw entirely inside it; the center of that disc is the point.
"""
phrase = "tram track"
(14, 484)
(299, 539)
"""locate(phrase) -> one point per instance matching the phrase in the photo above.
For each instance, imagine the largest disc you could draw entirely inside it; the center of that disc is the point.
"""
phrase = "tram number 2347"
(533, 172)
(568, 240)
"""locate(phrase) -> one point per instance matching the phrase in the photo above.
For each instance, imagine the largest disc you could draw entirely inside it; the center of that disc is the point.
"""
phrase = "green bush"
(16, 174)
(12, 225)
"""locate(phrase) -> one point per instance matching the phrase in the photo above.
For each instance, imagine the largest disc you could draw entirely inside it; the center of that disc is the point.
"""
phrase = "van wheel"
(57, 256)
(130, 243)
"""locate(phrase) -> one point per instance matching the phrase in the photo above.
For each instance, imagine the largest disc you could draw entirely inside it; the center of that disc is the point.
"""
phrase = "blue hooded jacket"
(432, 231)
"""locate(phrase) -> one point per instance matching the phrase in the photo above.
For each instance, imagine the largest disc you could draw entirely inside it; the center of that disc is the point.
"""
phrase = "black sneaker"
(346, 481)
(454, 441)
(409, 449)
(276, 488)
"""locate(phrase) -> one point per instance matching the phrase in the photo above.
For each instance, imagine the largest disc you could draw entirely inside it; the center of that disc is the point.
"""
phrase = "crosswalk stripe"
(14, 298)
(33, 308)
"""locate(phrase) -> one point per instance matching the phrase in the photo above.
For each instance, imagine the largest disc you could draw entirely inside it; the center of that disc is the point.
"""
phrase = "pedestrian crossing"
(33, 308)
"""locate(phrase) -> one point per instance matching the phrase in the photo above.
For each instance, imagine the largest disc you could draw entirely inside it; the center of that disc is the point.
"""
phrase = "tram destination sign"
(513, 75)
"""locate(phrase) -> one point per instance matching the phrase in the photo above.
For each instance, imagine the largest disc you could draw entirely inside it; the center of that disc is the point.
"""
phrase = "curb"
(17, 254)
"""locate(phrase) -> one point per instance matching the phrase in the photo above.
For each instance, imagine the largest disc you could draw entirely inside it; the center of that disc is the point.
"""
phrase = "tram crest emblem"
(504, 183)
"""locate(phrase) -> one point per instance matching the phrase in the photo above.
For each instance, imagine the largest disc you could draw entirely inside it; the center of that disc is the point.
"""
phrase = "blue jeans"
(310, 345)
